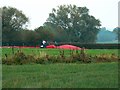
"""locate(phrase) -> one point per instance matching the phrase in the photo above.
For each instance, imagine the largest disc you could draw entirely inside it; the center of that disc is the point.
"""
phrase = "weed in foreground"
(42, 58)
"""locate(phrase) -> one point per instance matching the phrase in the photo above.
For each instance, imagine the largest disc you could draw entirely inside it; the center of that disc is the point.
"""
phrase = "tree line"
(67, 23)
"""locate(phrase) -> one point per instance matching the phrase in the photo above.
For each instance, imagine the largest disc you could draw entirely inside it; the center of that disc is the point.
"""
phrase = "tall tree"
(117, 31)
(105, 35)
(76, 22)
(13, 21)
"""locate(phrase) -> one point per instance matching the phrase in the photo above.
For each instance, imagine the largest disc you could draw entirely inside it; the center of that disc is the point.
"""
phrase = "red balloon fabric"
(71, 47)
(51, 46)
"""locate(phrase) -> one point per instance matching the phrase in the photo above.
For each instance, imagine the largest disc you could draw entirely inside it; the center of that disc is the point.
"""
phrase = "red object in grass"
(51, 46)
(71, 47)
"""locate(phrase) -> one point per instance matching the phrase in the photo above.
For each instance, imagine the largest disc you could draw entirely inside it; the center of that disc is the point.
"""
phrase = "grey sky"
(38, 10)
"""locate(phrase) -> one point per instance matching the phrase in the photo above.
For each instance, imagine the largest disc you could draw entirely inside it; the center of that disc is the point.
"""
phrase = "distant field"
(8, 51)
(94, 75)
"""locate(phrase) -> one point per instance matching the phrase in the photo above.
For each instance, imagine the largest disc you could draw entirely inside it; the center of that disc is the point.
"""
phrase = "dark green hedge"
(95, 46)
(89, 46)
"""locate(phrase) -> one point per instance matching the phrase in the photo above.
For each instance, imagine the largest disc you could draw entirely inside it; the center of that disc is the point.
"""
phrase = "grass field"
(56, 51)
(102, 75)
(60, 75)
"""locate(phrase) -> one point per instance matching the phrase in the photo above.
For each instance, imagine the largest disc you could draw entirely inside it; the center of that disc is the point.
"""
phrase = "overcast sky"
(38, 10)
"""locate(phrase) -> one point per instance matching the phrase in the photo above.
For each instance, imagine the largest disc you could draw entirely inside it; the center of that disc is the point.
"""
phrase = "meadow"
(102, 75)
(60, 75)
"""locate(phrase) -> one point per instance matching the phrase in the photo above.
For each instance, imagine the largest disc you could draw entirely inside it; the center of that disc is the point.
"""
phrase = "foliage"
(58, 33)
(28, 36)
(17, 58)
(105, 35)
(76, 23)
(44, 33)
(117, 31)
(43, 58)
(13, 21)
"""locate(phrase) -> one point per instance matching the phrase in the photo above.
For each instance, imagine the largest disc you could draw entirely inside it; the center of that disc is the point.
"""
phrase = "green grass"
(8, 51)
(102, 51)
(74, 75)
(94, 75)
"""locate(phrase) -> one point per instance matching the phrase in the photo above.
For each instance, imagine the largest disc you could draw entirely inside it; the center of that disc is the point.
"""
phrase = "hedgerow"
(43, 58)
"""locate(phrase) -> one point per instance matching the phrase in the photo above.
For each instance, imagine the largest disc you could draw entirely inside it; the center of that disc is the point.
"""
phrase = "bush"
(106, 58)
(43, 58)
(8, 60)
(19, 57)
